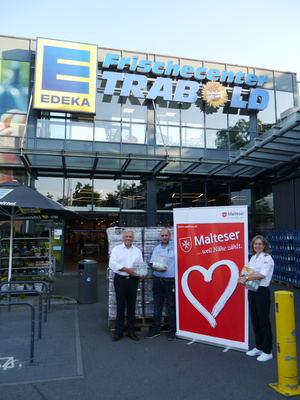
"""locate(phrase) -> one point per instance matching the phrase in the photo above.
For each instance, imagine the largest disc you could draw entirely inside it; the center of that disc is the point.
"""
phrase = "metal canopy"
(278, 147)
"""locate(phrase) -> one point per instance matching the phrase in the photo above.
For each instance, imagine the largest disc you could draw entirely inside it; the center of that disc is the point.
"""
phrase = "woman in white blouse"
(259, 302)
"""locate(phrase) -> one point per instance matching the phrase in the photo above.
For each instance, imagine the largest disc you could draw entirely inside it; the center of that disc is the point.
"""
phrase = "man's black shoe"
(117, 337)
(133, 336)
(152, 335)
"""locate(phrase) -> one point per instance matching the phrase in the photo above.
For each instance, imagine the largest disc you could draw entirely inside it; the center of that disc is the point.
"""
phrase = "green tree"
(85, 195)
(238, 135)
(111, 200)
(130, 190)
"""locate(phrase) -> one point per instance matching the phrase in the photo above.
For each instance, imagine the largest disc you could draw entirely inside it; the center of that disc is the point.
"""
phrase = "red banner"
(210, 256)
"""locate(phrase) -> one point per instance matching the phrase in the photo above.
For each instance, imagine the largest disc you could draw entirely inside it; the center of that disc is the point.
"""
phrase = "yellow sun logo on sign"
(215, 94)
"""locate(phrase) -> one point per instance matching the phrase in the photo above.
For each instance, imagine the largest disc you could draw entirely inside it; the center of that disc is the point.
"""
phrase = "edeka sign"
(65, 76)
(186, 91)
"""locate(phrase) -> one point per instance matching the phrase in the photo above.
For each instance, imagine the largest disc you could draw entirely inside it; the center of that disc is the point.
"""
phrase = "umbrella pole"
(50, 251)
(11, 245)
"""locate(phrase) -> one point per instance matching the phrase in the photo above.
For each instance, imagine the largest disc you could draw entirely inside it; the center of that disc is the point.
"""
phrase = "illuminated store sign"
(65, 76)
(214, 93)
(66, 73)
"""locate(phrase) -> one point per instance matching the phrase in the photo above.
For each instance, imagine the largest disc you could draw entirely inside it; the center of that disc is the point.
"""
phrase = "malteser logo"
(65, 76)
(224, 214)
(186, 244)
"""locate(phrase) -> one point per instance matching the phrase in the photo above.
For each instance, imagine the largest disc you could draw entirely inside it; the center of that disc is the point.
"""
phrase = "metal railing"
(31, 358)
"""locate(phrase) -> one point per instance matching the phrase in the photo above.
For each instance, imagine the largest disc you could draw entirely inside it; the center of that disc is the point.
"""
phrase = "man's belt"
(164, 279)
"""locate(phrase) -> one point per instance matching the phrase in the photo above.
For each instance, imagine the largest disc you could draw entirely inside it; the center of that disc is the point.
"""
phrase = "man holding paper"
(163, 263)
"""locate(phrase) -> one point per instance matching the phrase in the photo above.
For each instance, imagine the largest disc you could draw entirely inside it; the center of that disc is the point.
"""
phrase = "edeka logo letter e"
(58, 64)
(65, 76)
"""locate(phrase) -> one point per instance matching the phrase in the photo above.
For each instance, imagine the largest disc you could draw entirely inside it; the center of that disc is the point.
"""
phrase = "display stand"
(24, 259)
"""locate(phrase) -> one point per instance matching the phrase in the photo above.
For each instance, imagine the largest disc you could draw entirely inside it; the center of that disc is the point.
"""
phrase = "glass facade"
(89, 180)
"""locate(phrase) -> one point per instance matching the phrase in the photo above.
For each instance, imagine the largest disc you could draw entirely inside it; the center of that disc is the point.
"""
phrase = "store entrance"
(87, 240)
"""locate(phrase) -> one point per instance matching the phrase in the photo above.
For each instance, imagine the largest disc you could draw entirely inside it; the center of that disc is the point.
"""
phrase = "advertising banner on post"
(211, 248)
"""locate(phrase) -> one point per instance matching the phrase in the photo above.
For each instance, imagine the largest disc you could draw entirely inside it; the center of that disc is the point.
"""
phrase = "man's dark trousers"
(126, 289)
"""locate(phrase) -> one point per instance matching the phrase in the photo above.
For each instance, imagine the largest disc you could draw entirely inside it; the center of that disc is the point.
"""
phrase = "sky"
(260, 33)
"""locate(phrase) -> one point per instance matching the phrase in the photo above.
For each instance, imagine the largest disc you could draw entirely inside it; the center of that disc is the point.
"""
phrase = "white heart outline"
(207, 273)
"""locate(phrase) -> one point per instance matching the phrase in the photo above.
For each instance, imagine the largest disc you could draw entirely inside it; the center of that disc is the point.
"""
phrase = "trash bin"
(87, 282)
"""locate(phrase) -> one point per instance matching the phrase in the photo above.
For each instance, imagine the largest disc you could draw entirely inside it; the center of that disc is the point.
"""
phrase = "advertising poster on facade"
(14, 82)
(211, 245)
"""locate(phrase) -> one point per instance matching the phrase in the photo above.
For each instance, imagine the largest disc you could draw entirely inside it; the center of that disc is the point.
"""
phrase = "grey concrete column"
(151, 202)
(253, 124)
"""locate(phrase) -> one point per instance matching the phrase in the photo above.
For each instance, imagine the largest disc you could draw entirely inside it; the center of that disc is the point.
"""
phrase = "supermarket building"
(123, 137)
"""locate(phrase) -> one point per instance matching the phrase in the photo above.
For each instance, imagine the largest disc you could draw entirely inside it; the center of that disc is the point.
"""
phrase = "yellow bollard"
(286, 344)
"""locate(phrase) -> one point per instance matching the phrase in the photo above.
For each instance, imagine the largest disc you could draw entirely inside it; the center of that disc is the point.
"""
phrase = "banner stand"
(211, 248)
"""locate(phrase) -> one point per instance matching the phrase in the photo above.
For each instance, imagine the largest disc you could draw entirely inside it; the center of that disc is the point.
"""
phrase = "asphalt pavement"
(75, 357)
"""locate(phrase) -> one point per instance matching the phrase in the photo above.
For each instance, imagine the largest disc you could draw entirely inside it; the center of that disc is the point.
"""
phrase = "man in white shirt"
(126, 283)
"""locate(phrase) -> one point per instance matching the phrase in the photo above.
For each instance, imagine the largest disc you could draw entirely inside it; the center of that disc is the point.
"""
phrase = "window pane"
(236, 69)
(79, 193)
(171, 135)
(269, 74)
(108, 107)
(79, 130)
(192, 137)
(217, 194)
(134, 110)
(167, 59)
(167, 112)
(221, 139)
(242, 197)
(284, 101)
(212, 139)
(283, 81)
(193, 193)
(238, 139)
(216, 118)
(193, 63)
(266, 117)
(134, 133)
(51, 187)
(264, 213)
(54, 128)
(107, 131)
(209, 65)
(168, 195)
(239, 133)
(237, 122)
(192, 114)
(108, 191)
(133, 195)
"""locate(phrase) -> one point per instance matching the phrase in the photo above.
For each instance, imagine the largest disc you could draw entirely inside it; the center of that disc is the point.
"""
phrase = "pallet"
(140, 327)
(287, 284)
(142, 324)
